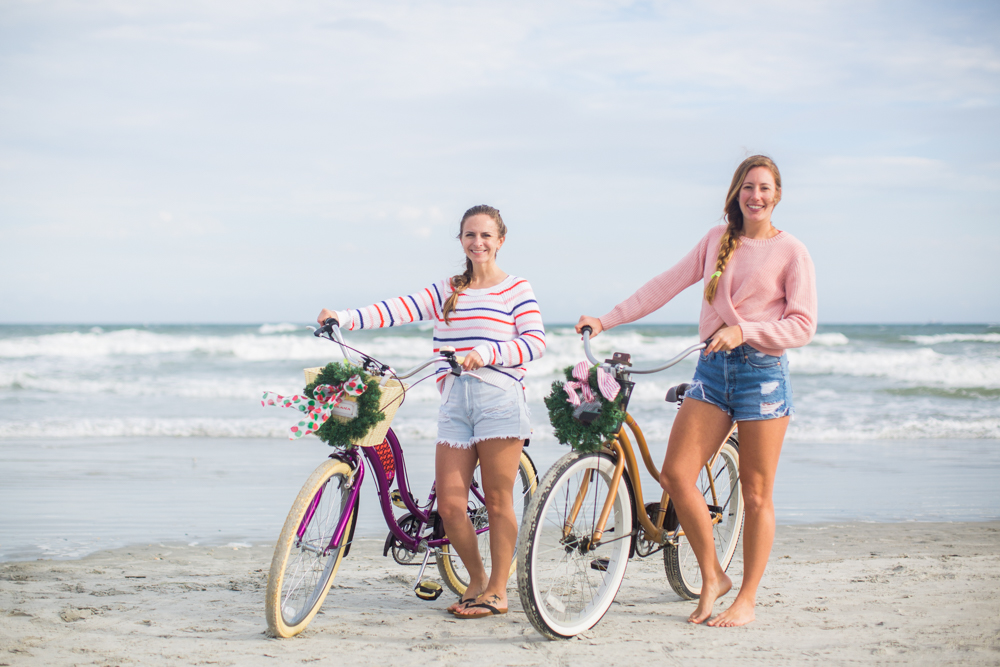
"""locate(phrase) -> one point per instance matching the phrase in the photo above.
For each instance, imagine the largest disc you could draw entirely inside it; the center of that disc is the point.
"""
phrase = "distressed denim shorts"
(476, 411)
(749, 385)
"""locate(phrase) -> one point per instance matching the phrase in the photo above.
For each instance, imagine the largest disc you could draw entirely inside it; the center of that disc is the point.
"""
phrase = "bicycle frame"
(620, 448)
(383, 482)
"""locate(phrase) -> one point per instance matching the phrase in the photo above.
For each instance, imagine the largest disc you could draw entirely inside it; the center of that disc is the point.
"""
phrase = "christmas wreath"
(335, 432)
(586, 425)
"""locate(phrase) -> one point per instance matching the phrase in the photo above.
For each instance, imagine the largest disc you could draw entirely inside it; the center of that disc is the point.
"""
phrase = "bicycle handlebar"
(331, 327)
(640, 371)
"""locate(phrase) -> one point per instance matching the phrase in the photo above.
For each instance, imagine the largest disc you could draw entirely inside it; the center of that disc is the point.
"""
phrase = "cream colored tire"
(303, 566)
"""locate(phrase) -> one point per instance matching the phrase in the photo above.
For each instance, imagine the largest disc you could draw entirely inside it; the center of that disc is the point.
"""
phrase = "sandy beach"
(873, 593)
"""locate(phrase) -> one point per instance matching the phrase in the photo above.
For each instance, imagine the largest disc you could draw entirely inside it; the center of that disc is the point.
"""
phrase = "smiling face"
(758, 195)
(480, 239)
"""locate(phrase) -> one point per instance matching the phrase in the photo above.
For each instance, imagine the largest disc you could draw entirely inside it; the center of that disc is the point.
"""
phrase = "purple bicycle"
(318, 532)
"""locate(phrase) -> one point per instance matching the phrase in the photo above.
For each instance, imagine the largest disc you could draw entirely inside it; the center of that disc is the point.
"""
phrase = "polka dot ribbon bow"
(318, 409)
(605, 382)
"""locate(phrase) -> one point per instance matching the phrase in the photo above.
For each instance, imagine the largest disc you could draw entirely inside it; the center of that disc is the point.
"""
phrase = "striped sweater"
(501, 323)
(768, 289)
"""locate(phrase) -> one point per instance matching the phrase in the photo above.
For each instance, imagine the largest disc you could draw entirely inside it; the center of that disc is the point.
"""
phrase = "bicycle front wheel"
(450, 566)
(565, 582)
(724, 496)
(304, 563)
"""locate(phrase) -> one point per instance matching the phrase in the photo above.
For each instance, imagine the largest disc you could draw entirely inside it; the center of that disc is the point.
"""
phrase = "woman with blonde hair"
(493, 319)
(759, 300)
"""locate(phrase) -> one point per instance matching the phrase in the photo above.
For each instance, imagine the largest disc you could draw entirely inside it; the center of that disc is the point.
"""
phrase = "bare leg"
(697, 432)
(453, 475)
(760, 446)
(498, 461)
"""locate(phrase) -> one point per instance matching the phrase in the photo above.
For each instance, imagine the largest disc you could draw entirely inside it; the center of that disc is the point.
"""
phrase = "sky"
(249, 161)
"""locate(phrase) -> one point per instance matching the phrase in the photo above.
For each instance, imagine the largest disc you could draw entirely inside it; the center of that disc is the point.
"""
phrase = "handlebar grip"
(587, 330)
(331, 321)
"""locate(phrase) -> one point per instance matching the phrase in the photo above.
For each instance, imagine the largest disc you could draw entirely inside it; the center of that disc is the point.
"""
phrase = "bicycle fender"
(635, 514)
(354, 524)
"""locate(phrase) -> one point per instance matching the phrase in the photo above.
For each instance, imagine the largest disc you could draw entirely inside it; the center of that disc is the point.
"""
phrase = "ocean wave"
(268, 329)
(829, 339)
(910, 429)
(135, 342)
(146, 427)
(221, 387)
(915, 367)
(954, 338)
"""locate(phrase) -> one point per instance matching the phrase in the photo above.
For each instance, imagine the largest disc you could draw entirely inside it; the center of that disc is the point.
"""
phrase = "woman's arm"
(420, 306)
(798, 322)
(530, 341)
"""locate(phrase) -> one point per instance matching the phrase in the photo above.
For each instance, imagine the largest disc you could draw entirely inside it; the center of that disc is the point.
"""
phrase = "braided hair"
(734, 216)
(461, 282)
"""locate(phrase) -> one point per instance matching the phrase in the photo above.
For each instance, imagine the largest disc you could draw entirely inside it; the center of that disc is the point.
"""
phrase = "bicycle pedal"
(600, 564)
(428, 590)
(397, 499)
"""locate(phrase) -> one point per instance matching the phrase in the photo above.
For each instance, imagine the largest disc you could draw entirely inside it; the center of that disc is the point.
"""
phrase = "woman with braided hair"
(759, 300)
(493, 320)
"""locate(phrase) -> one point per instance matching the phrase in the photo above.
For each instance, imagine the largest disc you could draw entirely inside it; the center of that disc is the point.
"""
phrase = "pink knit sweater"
(768, 289)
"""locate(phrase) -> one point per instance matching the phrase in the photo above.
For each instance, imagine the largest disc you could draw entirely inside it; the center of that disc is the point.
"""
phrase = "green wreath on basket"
(335, 432)
(571, 431)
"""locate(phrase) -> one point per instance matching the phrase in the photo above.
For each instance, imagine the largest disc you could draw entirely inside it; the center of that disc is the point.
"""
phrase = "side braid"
(459, 284)
(727, 246)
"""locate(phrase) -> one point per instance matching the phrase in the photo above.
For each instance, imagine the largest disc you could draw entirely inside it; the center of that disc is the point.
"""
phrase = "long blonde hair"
(461, 282)
(734, 216)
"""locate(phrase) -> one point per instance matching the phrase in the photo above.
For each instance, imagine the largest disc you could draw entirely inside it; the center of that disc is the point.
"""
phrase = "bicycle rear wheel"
(725, 501)
(566, 584)
(304, 565)
(450, 566)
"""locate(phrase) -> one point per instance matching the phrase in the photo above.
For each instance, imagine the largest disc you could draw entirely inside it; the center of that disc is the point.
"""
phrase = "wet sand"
(871, 593)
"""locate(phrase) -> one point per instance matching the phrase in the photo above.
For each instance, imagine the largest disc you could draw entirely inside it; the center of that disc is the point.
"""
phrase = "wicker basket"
(392, 396)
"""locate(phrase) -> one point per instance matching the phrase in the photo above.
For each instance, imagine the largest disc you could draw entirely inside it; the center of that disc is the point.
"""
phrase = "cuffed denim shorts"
(748, 384)
(475, 411)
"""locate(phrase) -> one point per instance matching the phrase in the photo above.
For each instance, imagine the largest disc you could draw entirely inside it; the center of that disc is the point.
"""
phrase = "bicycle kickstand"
(426, 590)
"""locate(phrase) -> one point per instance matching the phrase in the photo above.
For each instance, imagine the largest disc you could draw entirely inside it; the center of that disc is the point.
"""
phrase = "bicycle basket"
(389, 402)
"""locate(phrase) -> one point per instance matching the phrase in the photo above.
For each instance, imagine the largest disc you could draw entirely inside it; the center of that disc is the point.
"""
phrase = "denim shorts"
(749, 385)
(475, 410)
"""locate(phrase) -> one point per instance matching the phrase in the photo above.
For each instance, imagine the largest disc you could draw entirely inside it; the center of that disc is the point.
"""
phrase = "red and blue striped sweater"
(501, 323)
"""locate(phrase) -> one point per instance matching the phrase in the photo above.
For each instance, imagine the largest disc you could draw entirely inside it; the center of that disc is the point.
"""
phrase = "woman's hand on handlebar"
(726, 338)
(592, 322)
(472, 361)
(324, 315)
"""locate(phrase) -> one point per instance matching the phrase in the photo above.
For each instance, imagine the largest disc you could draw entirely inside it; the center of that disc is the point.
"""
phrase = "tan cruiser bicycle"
(589, 517)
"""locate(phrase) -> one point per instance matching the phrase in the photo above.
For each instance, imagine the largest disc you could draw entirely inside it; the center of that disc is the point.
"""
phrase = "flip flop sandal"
(487, 610)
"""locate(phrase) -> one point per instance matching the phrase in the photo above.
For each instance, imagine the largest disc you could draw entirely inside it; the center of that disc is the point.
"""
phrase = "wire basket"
(389, 402)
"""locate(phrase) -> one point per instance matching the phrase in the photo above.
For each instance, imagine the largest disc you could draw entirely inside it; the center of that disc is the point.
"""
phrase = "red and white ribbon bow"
(605, 382)
(318, 409)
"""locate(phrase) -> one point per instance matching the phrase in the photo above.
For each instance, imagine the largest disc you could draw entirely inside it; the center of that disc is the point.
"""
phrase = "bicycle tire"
(449, 565)
(679, 560)
(302, 569)
(565, 586)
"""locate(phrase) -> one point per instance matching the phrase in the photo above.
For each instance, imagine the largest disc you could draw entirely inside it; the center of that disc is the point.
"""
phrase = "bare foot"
(740, 612)
(709, 594)
(493, 600)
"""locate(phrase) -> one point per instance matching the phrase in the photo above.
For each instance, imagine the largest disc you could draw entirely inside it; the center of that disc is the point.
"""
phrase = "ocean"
(117, 434)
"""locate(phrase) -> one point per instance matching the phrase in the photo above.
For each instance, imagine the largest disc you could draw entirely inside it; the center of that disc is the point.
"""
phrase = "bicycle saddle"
(676, 394)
